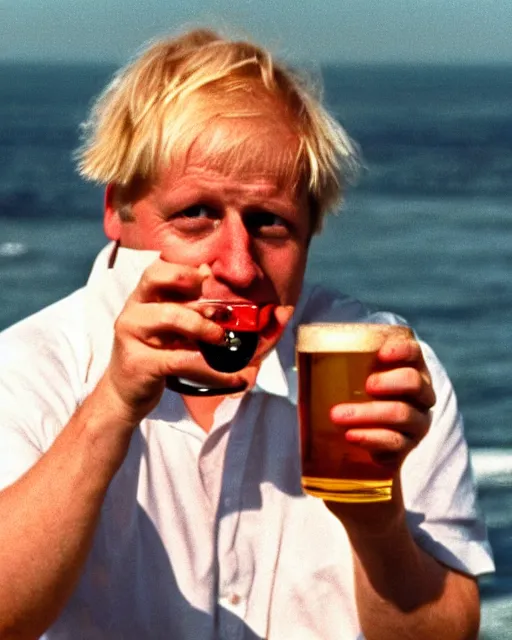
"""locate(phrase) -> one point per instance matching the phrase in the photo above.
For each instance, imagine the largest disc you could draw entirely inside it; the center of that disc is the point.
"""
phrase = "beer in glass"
(334, 361)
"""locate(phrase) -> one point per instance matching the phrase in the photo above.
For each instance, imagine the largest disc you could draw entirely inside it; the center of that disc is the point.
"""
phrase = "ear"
(111, 220)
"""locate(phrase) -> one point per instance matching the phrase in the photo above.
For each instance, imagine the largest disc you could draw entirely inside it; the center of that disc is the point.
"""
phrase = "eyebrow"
(209, 196)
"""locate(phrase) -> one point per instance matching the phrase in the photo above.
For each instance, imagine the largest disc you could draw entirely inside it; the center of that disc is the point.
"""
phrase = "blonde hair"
(157, 107)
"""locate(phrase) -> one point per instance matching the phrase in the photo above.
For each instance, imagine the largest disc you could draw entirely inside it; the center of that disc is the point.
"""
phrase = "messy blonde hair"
(156, 108)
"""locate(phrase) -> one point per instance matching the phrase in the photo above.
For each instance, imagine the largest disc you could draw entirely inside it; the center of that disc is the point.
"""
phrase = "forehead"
(260, 148)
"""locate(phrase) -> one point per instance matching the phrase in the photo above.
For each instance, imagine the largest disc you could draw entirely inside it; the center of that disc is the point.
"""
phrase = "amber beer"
(334, 362)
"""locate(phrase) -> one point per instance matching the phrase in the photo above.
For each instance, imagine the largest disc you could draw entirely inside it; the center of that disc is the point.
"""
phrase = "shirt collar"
(272, 377)
(106, 293)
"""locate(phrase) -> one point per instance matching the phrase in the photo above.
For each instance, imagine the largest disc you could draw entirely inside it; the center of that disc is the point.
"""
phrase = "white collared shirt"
(208, 536)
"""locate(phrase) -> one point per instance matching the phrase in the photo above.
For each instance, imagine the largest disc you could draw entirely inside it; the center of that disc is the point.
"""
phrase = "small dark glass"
(234, 355)
(241, 323)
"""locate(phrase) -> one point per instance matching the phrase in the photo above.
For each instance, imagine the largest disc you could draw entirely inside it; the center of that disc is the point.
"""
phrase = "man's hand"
(155, 336)
(398, 418)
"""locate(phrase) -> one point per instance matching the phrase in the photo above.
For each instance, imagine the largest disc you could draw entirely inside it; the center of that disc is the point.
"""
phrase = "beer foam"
(346, 337)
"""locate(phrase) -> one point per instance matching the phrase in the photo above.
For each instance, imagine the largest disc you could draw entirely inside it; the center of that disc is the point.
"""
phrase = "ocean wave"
(492, 467)
(496, 619)
(13, 249)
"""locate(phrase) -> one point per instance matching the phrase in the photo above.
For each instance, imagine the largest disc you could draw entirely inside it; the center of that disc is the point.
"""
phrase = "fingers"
(390, 415)
(155, 340)
(402, 373)
(182, 363)
(387, 447)
(168, 325)
(283, 314)
(279, 318)
(404, 350)
(167, 281)
(397, 416)
(385, 442)
(388, 430)
(155, 313)
(404, 382)
(156, 337)
(137, 372)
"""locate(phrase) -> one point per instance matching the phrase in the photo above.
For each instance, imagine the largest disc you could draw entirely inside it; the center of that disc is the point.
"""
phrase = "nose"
(235, 264)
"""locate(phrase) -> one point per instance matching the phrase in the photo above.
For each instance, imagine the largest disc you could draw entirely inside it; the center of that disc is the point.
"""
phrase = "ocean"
(426, 232)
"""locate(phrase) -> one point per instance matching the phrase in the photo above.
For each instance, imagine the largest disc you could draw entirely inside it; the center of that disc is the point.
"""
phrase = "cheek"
(140, 234)
(190, 253)
(286, 270)
(155, 236)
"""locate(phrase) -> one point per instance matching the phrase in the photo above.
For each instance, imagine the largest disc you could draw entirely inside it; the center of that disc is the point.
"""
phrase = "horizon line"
(325, 63)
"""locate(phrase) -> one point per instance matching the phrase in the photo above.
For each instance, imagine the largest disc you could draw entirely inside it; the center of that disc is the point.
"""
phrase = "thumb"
(283, 314)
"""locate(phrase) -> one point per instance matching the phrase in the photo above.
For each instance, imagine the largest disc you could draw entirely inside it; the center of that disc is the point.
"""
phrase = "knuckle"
(168, 314)
(414, 380)
(172, 274)
(121, 324)
(415, 348)
(396, 442)
(402, 413)
(200, 327)
(146, 279)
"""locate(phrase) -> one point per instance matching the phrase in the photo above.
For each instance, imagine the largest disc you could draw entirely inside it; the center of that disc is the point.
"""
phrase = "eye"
(196, 219)
(197, 211)
(264, 224)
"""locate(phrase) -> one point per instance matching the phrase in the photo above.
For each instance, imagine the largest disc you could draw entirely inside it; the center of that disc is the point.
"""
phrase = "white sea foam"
(492, 466)
(12, 249)
(496, 619)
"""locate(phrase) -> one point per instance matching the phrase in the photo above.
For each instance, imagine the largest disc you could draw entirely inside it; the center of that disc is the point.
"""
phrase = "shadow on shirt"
(130, 590)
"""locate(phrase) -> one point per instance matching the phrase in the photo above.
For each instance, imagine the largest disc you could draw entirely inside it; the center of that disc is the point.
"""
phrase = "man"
(130, 511)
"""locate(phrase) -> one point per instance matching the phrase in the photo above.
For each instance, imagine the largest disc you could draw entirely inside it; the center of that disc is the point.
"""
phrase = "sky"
(317, 31)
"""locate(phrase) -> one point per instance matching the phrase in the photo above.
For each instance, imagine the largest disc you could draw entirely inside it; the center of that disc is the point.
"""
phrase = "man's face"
(252, 231)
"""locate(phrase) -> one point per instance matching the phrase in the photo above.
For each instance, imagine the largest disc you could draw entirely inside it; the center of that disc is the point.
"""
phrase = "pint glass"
(334, 362)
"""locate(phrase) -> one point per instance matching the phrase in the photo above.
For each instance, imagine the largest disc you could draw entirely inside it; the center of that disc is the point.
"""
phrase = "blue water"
(426, 232)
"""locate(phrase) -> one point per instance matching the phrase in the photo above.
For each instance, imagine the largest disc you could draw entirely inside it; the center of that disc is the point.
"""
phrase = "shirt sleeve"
(37, 396)
(439, 487)
(17, 454)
